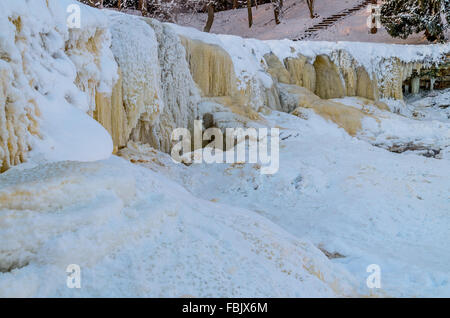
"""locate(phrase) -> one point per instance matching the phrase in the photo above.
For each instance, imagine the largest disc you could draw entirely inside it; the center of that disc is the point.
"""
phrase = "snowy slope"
(48, 72)
(135, 233)
(143, 226)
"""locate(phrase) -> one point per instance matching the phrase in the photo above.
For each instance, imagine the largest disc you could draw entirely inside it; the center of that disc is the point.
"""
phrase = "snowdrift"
(48, 76)
(124, 225)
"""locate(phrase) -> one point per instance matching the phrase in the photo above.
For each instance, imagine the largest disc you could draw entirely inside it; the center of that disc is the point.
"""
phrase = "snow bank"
(48, 73)
(135, 47)
(399, 133)
(135, 233)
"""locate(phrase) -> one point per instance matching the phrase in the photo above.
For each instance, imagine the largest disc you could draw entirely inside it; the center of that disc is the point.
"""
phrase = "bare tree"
(310, 4)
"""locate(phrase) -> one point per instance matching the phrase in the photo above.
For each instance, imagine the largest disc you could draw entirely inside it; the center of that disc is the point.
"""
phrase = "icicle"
(415, 85)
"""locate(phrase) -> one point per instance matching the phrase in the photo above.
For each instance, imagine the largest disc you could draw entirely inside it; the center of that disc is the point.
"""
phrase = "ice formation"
(110, 112)
(103, 217)
(123, 83)
(328, 82)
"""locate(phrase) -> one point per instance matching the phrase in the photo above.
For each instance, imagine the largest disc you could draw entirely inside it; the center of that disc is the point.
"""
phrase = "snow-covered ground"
(433, 105)
(362, 204)
(133, 232)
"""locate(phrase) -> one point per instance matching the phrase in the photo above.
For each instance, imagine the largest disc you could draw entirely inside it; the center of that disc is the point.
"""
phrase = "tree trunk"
(235, 4)
(210, 21)
(119, 5)
(310, 4)
(250, 15)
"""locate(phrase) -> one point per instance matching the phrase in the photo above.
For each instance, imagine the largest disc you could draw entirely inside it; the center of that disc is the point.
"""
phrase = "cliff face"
(140, 79)
(49, 76)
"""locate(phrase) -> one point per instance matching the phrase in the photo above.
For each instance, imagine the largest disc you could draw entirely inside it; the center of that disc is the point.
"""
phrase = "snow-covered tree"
(405, 17)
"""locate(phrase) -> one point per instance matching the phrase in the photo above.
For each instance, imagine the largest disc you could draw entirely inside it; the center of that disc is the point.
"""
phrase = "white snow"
(434, 105)
(144, 226)
(366, 54)
(368, 204)
(389, 129)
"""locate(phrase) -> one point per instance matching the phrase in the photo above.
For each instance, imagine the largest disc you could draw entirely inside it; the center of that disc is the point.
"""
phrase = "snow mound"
(135, 233)
(48, 73)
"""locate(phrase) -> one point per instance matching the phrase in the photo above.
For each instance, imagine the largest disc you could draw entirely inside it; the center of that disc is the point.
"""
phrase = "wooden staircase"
(329, 21)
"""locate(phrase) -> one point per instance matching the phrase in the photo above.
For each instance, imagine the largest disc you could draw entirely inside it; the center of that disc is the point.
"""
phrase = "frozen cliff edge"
(141, 79)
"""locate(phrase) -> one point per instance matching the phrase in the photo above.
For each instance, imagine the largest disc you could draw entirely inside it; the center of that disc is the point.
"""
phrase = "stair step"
(329, 21)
